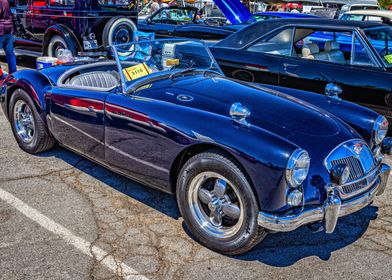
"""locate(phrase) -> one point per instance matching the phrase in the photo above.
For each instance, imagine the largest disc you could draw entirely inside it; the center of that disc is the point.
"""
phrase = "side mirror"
(386, 146)
(148, 20)
(332, 91)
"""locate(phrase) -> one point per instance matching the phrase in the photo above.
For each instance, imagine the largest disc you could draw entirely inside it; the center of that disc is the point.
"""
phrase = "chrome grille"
(354, 165)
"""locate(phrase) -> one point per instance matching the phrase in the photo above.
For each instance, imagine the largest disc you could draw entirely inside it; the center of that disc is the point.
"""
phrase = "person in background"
(7, 34)
(154, 6)
(203, 10)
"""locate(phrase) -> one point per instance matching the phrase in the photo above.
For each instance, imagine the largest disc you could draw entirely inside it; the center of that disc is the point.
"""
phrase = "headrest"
(309, 49)
(331, 46)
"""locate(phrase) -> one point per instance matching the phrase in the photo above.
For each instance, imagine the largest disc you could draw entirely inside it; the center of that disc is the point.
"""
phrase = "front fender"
(34, 83)
(360, 118)
(72, 41)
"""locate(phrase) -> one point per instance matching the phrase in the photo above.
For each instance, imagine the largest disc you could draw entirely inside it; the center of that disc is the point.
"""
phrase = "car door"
(76, 120)
(161, 25)
(258, 62)
(138, 142)
(357, 74)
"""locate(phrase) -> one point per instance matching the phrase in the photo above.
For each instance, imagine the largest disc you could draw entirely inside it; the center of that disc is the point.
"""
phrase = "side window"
(279, 43)
(62, 3)
(325, 46)
(360, 55)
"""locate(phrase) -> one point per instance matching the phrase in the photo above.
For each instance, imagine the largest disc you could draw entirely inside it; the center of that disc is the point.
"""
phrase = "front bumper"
(329, 212)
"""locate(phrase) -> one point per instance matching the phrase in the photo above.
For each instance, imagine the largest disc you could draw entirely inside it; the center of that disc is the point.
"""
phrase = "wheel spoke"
(205, 196)
(220, 188)
(216, 218)
(231, 210)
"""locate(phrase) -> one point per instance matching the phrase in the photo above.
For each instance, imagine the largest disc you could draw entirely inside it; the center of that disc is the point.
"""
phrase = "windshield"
(170, 56)
(257, 18)
(381, 40)
(174, 14)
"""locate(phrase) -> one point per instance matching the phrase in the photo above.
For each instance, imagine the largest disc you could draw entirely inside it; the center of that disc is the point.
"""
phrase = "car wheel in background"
(218, 204)
(55, 44)
(29, 130)
(118, 30)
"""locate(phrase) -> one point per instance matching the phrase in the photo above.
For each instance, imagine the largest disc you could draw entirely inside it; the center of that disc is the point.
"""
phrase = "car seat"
(332, 48)
(97, 79)
(312, 51)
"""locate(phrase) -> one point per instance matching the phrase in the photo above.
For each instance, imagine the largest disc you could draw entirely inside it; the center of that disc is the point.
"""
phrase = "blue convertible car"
(243, 159)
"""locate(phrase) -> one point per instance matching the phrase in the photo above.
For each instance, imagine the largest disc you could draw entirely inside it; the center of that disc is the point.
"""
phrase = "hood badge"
(185, 98)
(358, 148)
(239, 113)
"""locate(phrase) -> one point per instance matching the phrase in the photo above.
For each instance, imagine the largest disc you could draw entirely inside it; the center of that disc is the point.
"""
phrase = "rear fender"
(72, 41)
(34, 83)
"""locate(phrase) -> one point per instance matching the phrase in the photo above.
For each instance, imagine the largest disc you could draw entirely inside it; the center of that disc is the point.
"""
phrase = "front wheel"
(29, 130)
(218, 204)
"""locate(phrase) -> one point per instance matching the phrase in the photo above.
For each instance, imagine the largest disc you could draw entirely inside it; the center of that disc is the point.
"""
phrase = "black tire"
(41, 139)
(113, 28)
(248, 233)
(56, 42)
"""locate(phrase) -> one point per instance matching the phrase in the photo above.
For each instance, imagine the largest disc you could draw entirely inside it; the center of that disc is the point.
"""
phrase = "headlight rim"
(376, 128)
(291, 164)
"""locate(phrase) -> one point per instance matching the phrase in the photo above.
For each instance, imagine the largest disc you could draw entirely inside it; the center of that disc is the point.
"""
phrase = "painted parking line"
(79, 243)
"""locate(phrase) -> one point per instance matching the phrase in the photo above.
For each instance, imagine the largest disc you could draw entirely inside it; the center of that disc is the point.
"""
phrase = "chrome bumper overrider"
(330, 211)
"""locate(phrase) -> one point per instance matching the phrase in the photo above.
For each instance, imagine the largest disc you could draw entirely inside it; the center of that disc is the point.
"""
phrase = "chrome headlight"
(380, 129)
(297, 167)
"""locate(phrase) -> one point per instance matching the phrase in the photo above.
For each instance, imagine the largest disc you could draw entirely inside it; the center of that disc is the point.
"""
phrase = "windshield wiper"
(184, 71)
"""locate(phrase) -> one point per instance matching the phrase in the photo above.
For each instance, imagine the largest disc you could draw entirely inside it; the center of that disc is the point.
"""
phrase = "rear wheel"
(118, 30)
(29, 130)
(218, 204)
(55, 44)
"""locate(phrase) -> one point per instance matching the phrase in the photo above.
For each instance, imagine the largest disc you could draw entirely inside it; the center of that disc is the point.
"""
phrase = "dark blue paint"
(141, 135)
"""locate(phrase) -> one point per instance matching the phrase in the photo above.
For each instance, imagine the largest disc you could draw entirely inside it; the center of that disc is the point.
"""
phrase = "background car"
(355, 6)
(309, 54)
(45, 26)
(182, 22)
(381, 16)
(242, 158)
(260, 16)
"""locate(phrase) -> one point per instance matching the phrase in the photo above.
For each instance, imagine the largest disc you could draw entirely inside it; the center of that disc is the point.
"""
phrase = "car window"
(353, 17)
(21, 3)
(279, 43)
(129, 4)
(373, 18)
(62, 3)
(182, 15)
(329, 46)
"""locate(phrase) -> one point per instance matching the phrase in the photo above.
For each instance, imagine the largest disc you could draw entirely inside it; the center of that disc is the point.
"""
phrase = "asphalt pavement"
(64, 217)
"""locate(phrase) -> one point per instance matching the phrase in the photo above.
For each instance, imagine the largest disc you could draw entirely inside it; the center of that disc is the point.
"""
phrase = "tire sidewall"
(55, 39)
(107, 37)
(249, 227)
(22, 95)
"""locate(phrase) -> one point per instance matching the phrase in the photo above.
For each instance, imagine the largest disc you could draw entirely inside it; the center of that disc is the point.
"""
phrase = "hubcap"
(122, 35)
(216, 204)
(24, 121)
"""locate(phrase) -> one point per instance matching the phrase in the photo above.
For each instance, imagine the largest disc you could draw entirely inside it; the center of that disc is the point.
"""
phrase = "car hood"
(289, 117)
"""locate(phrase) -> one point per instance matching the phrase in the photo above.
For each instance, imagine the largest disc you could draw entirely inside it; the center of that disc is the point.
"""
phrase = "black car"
(182, 22)
(45, 26)
(354, 58)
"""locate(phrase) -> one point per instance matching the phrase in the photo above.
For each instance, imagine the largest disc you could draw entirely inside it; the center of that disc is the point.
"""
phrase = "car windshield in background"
(172, 56)
(183, 15)
(381, 40)
(257, 18)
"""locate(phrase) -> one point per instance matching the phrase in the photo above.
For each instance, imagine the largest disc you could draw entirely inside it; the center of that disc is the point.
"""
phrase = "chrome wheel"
(216, 205)
(24, 121)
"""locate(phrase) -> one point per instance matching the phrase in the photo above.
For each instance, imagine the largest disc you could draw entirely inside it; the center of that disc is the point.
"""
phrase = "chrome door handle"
(288, 66)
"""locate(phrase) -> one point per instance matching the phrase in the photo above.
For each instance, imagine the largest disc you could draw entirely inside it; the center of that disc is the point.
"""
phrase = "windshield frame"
(125, 85)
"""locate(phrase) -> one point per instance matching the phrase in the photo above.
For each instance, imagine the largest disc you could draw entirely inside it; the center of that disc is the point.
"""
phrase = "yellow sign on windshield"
(137, 71)
(388, 58)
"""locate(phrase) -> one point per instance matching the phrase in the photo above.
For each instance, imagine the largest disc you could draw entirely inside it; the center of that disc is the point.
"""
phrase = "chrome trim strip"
(288, 222)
